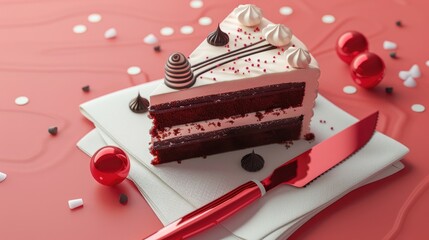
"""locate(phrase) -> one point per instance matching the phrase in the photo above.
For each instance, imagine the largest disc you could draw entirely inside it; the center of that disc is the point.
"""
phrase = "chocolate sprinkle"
(139, 104)
(85, 88)
(398, 23)
(123, 198)
(252, 162)
(393, 55)
(389, 90)
(157, 48)
(218, 37)
(53, 130)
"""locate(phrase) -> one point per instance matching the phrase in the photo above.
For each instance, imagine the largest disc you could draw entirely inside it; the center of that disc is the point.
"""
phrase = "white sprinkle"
(186, 30)
(388, 45)
(205, 21)
(410, 82)
(94, 18)
(150, 39)
(418, 108)
(167, 31)
(80, 28)
(286, 11)
(2, 176)
(427, 63)
(134, 70)
(328, 19)
(415, 71)
(349, 90)
(75, 203)
(110, 33)
(21, 100)
(404, 75)
(196, 4)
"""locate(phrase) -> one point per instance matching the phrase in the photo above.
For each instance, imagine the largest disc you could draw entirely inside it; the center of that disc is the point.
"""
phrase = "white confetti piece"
(3, 176)
(410, 82)
(205, 21)
(80, 28)
(75, 203)
(328, 19)
(110, 33)
(94, 18)
(167, 31)
(22, 100)
(196, 4)
(286, 11)
(186, 30)
(150, 39)
(418, 108)
(349, 90)
(388, 45)
(415, 71)
(404, 75)
(427, 63)
(134, 70)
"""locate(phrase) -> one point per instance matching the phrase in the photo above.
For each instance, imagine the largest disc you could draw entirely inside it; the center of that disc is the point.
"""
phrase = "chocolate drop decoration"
(218, 37)
(139, 104)
(178, 73)
(252, 162)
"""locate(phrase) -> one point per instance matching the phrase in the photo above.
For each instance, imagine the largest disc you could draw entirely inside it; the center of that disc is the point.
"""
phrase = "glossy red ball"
(350, 44)
(110, 165)
(367, 69)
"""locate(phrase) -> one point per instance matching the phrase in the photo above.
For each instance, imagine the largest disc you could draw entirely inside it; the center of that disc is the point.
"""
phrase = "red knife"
(296, 172)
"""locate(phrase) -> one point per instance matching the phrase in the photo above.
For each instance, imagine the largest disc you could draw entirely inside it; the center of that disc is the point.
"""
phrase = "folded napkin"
(196, 182)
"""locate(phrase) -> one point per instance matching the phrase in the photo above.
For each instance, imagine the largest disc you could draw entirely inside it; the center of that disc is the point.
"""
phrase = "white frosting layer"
(235, 121)
(249, 15)
(298, 57)
(277, 34)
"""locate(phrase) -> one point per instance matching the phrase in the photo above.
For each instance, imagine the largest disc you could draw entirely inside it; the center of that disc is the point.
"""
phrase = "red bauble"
(110, 165)
(367, 69)
(351, 44)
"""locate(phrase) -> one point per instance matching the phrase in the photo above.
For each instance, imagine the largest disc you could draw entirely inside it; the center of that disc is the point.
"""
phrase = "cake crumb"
(309, 136)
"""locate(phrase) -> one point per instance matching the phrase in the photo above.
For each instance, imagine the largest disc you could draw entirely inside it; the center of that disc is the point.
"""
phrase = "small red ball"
(350, 44)
(110, 165)
(367, 69)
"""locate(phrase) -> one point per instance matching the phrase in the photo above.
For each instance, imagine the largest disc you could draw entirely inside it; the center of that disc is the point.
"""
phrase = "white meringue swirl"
(277, 34)
(298, 57)
(249, 15)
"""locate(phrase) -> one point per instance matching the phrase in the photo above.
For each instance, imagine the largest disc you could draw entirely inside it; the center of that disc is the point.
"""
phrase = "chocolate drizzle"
(178, 73)
(218, 37)
(252, 162)
(139, 104)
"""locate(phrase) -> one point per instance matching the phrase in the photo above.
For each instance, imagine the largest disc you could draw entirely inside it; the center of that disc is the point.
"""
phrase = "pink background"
(41, 58)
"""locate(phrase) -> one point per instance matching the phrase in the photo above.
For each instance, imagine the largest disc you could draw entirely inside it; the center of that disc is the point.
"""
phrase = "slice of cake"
(250, 83)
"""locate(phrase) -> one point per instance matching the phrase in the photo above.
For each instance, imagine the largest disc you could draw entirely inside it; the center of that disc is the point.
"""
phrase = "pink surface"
(43, 59)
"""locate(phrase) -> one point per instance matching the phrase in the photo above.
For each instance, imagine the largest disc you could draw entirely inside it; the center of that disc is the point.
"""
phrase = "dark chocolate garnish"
(139, 104)
(252, 162)
(157, 48)
(398, 23)
(393, 55)
(53, 130)
(178, 73)
(123, 199)
(218, 37)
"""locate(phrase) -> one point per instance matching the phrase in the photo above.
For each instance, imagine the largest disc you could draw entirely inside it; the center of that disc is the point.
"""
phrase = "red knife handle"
(212, 213)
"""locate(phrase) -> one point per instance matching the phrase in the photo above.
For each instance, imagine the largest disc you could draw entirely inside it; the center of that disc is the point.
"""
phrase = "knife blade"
(298, 172)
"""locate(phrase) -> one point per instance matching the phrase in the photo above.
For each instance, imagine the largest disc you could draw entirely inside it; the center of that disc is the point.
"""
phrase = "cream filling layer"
(234, 121)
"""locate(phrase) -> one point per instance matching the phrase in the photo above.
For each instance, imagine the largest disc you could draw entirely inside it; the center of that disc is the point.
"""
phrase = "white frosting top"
(298, 57)
(277, 34)
(249, 15)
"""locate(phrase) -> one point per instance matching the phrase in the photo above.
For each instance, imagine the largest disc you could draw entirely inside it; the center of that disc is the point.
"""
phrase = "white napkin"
(199, 181)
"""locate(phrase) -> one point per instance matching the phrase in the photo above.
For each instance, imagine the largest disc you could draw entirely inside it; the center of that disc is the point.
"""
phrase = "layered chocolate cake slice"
(250, 83)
